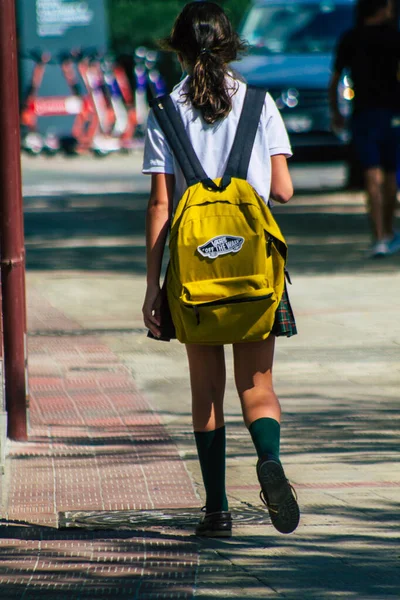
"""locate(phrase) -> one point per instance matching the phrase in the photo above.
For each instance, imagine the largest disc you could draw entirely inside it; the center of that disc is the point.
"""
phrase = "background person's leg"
(375, 201)
(390, 202)
(207, 379)
(370, 129)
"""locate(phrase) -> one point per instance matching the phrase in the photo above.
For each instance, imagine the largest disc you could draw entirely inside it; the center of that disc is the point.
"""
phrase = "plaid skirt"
(284, 325)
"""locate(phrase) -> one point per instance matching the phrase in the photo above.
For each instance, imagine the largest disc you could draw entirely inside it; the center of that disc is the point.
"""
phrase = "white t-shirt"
(212, 143)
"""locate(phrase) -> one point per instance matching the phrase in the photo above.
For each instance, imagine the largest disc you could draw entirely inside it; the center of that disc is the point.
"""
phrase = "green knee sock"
(266, 433)
(211, 450)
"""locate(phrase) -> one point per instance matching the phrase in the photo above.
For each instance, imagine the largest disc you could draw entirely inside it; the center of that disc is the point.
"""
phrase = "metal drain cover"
(169, 518)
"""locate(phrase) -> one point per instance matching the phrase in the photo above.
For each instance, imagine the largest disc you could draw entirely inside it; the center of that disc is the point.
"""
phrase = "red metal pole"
(11, 228)
(3, 413)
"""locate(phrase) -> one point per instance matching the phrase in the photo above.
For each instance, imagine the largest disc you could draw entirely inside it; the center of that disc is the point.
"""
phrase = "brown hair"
(204, 37)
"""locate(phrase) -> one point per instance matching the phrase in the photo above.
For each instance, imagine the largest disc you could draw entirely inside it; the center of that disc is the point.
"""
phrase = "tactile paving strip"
(43, 564)
(95, 443)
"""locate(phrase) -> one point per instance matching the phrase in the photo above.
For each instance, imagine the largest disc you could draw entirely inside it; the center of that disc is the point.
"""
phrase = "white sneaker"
(394, 244)
(379, 250)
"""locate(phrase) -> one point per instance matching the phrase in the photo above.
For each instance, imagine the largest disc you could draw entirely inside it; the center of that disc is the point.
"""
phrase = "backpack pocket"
(227, 310)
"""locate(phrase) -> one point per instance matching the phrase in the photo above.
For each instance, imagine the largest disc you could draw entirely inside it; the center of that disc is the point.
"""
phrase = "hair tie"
(204, 51)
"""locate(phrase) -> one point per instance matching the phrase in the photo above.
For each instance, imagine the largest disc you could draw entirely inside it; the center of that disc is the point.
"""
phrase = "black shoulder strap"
(171, 123)
(239, 158)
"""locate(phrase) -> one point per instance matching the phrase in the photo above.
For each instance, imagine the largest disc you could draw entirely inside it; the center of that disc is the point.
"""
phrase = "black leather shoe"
(216, 524)
(278, 495)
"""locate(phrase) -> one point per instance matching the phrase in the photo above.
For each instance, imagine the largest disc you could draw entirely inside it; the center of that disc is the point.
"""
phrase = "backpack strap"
(239, 158)
(172, 125)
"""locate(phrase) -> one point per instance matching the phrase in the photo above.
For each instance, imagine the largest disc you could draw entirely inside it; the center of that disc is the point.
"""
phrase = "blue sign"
(55, 25)
(48, 29)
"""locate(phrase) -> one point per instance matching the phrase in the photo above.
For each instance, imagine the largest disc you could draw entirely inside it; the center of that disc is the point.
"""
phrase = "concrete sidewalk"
(102, 500)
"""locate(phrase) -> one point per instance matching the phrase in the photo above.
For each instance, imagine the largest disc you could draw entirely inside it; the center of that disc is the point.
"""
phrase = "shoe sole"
(277, 492)
(215, 534)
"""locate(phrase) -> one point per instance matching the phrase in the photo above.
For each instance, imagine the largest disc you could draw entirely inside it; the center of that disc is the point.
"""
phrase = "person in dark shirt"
(371, 53)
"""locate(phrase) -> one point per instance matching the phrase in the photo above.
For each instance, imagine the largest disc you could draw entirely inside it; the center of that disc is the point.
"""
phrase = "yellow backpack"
(226, 273)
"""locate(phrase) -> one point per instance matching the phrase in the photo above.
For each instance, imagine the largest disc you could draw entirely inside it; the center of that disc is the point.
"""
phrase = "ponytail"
(207, 87)
(203, 36)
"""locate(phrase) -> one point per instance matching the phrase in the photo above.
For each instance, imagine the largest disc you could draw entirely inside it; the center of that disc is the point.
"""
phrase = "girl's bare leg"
(253, 376)
(262, 413)
(207, 379)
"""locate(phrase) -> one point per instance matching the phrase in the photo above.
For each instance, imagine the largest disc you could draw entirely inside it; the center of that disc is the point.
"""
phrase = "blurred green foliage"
(142, 22)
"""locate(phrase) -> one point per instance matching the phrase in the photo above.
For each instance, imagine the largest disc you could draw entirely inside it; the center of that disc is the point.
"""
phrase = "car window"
(297, 28)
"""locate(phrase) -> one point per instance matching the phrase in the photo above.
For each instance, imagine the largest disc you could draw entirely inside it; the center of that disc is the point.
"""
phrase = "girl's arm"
(159, 210)
(157, 220)
(281, 181)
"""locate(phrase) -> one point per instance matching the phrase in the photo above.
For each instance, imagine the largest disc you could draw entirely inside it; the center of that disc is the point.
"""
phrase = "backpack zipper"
(221, 302)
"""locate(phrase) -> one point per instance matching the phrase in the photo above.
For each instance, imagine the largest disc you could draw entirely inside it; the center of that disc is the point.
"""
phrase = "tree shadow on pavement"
(317, 562)
(107, 233)
(42, 563)
(366, 437)
(326, 236)
(87, 233)
(321, 562)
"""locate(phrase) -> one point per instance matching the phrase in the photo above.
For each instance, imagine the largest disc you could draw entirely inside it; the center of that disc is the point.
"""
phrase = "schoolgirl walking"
(217, 152)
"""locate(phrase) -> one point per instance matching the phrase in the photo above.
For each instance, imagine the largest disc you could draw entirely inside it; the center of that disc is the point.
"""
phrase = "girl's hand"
(151, 309)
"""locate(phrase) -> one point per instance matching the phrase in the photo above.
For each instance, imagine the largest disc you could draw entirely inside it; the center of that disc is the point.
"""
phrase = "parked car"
(291, 53)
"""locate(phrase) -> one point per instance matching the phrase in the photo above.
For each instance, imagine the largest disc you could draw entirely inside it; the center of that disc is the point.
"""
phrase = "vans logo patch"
(223, 244)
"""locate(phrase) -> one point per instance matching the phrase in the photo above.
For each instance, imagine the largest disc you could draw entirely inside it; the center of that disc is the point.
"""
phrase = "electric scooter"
(101, 140)
(36, 106)
(31, 140)
(121, 93)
